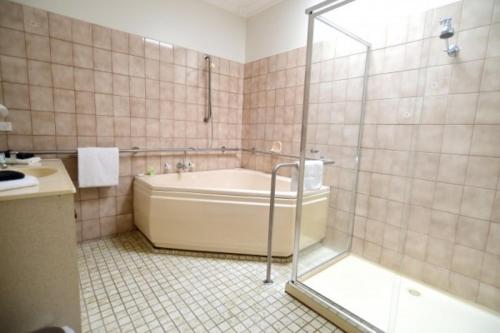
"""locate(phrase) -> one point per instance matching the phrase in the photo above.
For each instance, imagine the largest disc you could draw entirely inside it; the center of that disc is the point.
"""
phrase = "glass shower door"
(338, 269)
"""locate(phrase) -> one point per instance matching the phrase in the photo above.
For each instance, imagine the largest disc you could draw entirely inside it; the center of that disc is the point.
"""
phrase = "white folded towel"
(31, 160)
(18, 183)
(313, 176)
(98, 167)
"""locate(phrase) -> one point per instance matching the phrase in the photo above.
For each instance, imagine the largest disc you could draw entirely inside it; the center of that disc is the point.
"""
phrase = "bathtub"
(225, 211)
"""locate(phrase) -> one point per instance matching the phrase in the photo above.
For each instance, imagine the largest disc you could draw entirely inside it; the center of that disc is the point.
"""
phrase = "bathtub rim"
(239, 192)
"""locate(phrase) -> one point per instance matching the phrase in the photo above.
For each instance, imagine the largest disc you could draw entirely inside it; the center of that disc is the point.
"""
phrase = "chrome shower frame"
(314, 13)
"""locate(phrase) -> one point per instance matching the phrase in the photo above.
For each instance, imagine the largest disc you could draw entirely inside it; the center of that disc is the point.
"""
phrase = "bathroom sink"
(38, 171)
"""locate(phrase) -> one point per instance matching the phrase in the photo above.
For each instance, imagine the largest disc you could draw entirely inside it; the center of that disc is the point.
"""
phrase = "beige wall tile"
(83, 56)
(101, 37)
(448, 197)
(473, 43)
(452, 168)
(483, 172)
(15, 95)
(41, 98)
(14, 69)
(43, 123)
(476, 13)
(40, 73)
(37, 47)
(491, 79)
(61, 52)
(81, 32)
(439, 252)
(472, 232)
(493, 245)
(119, 41)
(463, 286)
(60, 27)
(64, 100)
(461, 109)
(477, 202)
(457, 139)
(467, 261)
(63, 76)
(466, 77)
(12, 43)
(36, 21)
(11, 15)
(487, 112)
(484, 140)
(489, 296)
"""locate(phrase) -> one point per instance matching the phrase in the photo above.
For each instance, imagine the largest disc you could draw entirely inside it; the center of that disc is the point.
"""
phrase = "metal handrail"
(222, 149)
(272, 199)
(274, 173)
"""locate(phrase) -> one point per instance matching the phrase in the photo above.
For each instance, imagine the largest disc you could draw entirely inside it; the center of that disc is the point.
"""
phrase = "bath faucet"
(184, 165)
(166, 167)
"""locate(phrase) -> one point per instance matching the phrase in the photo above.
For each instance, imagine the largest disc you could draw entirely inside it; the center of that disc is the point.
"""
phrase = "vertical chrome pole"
(303, 139)
(270, 226)
(274, 174)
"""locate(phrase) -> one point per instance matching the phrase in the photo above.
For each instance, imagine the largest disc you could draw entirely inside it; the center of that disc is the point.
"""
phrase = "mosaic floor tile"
(129, 286)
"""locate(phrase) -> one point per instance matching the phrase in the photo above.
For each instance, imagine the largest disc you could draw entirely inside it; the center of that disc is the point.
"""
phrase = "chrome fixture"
(447, 32)
(274, 174)
(208, 115)
(272, 199)
(185, 164)
(3, 161)
(166, 167)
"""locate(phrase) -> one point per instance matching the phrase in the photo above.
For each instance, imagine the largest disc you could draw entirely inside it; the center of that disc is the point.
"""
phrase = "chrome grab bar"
(274, 173)
(134, 150)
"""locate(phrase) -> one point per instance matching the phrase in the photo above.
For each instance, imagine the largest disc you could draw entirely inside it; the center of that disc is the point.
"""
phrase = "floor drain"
(414, 292)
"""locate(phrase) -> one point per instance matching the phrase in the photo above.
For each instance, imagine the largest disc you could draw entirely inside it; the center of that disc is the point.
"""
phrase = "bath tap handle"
(166, 167)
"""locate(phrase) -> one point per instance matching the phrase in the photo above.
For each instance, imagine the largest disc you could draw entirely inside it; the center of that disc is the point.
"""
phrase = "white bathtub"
(224, 211)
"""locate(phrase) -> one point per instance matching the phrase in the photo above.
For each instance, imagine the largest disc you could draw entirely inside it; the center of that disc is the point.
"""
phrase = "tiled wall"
(70, 84)
(428, 201)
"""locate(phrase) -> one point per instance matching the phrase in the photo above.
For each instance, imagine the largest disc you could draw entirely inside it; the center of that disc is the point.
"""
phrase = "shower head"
(447, 30)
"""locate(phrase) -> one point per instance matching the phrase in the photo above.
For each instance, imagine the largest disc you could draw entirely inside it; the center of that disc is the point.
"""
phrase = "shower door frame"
(314, 13)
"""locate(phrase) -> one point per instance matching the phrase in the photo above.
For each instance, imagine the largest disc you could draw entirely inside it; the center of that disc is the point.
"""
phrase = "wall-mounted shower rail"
(274, 174)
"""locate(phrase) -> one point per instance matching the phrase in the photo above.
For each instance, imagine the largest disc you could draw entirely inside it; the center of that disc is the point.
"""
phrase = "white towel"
(98, 167)
(313, 176)
(18, 183)
(31, 160)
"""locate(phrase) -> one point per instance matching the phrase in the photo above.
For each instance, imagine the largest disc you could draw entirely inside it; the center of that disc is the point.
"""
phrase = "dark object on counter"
(10, 175)
(19, 156)
(23, 156)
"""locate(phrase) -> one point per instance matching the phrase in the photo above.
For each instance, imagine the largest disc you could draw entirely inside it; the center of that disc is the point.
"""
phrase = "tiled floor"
(127, 286)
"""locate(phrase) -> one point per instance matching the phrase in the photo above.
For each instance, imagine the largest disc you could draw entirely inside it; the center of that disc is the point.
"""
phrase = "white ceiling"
(243, 8)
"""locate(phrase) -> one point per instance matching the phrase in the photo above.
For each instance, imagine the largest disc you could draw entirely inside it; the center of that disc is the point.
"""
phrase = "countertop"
(54, 184)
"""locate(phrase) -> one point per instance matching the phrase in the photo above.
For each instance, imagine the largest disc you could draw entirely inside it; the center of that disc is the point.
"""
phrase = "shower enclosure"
(384, 101)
